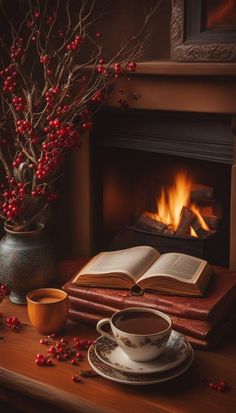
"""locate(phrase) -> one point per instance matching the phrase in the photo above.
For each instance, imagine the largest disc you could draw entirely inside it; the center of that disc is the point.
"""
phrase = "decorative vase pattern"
(27, 262)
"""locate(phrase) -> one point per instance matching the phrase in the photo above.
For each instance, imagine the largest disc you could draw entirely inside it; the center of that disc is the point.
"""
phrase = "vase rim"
(38, 227)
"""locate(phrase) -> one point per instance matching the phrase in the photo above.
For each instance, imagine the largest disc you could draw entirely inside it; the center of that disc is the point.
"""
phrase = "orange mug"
(47, 309)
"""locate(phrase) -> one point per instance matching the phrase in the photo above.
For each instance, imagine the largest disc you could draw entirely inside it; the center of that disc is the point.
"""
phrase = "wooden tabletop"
(48, 389)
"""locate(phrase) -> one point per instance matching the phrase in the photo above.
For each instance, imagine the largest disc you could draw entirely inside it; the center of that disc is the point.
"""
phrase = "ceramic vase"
(27, 262)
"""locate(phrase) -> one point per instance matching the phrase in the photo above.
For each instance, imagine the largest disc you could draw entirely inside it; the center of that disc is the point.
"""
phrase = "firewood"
(186, 219)
(145, 222)
(212, 221)
(168, 232)
(201, 232)
(199, 191)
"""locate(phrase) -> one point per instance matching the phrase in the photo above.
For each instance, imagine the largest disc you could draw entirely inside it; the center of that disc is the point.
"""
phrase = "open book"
(144, 268)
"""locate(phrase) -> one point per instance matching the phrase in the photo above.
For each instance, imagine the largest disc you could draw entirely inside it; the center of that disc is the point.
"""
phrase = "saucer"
(118, 376)
(176, 351)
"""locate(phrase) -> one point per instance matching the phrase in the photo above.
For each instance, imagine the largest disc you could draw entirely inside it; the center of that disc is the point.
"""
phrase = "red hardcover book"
(200, 329)
(218, 302)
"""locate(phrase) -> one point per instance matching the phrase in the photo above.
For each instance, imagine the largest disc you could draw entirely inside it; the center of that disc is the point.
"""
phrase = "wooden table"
(31, 388)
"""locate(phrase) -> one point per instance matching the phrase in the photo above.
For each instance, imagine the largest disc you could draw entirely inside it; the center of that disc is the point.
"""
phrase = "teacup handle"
(99, 326)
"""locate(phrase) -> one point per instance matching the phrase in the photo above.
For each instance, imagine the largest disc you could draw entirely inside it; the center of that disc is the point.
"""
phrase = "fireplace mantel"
(167, 85)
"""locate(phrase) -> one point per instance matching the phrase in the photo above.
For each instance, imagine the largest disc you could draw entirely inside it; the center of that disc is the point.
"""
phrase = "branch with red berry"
(53, 79)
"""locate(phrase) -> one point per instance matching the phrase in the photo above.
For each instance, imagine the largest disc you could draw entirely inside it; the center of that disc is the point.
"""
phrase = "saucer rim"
(126, 370)
(170, 375)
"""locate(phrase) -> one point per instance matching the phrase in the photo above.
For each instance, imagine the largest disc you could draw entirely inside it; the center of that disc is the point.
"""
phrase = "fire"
(171, 202)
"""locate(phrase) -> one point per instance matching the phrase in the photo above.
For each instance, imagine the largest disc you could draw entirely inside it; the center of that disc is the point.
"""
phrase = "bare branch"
(53, 81)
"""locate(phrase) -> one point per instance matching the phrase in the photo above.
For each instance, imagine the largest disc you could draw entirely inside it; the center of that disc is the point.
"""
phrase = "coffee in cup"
(142, 333)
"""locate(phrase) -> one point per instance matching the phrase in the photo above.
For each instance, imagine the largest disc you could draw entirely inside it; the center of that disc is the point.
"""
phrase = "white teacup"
(142, 333)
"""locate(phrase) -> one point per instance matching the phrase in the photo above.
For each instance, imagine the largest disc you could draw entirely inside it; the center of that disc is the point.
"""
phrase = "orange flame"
(171, 202)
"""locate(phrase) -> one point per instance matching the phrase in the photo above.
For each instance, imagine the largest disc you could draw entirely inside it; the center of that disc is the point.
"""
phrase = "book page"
(180, 266)
(131, 261)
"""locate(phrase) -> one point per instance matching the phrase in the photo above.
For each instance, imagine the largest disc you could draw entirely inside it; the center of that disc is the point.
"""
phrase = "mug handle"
(99, 326)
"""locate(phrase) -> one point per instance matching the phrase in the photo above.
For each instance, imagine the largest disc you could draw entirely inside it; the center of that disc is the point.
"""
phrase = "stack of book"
(204, 314)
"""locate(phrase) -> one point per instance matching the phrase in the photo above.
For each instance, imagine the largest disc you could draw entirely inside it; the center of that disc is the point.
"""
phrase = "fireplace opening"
(182, 208)
(131, 185)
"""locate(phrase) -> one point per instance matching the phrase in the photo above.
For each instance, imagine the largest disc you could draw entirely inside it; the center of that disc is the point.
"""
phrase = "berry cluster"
(13, 199)
(219, 386)
(17, 50)
(45, 59)
(13, 323)
(62, 350)
(60, 137)
(48, 163)
(41, 360)
(19, 103)
(74, 45)
(23, 126)
(101, 68)
(50, 97)
(10, 75)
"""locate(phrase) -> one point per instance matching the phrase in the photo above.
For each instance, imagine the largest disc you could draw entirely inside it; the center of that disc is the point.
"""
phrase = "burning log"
(186, 218)
(145, 222)
(199, 191)
(200, 231)
(212, 221)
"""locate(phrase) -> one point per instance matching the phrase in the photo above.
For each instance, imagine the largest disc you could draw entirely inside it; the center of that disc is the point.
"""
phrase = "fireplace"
(137, 152)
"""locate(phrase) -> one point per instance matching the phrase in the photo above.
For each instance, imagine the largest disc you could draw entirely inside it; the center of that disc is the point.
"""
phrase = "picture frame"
(199, 34)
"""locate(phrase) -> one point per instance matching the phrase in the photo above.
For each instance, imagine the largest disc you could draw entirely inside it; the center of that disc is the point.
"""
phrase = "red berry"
(76, 379)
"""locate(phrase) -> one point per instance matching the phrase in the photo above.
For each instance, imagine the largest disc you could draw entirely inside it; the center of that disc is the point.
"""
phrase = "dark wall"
(124, 18)
(117, 20)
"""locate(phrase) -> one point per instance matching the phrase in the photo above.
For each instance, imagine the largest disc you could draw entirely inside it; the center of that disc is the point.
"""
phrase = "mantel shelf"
(170, 68)
(167, 85)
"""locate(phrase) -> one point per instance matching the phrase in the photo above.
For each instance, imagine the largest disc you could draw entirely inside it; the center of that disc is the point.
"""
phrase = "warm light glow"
(171, 202)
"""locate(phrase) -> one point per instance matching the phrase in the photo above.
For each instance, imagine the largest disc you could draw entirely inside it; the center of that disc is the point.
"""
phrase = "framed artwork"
(203, 30)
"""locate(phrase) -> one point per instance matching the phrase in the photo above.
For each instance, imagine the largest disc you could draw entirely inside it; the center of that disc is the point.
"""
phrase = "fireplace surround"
(135, 152)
